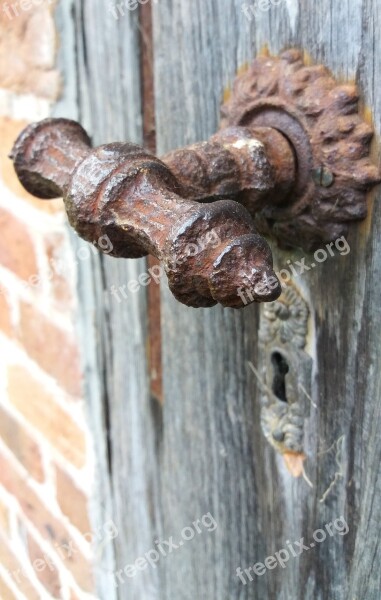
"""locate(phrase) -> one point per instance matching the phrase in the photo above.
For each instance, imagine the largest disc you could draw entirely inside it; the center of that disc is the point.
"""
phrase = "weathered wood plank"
(206, 452)
(214, 455)
(101, 65)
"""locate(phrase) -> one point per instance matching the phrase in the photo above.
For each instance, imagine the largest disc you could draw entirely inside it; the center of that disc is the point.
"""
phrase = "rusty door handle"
(293, 150)
(209, 251)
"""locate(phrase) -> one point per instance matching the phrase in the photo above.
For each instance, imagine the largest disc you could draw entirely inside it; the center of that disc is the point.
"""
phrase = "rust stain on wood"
(149, 136)
(294, 463)
(227, 93)
(264, 51)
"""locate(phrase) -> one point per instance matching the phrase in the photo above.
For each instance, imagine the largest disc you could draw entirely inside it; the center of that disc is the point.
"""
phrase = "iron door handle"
(293, 150)
(122, 191)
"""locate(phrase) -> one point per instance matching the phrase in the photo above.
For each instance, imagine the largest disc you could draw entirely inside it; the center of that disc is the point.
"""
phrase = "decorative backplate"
(331, 140)
(286, 372)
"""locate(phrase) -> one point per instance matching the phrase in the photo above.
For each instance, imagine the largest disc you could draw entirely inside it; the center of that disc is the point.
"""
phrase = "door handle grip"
(293, 150)
(209, 250)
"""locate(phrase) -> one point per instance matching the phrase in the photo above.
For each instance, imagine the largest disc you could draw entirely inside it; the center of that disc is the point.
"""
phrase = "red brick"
(50, 528)
(4, 518)
(15, 568)
(56, 255)
(41, 410)
(46, 570)
(52, 348)
(5, 592)
(9, 132)
(73, 502)
(17, 251)
(18, 440)
(27, 51)
(5, 314)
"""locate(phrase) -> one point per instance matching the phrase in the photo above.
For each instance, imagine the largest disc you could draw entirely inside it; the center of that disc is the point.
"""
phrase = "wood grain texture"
(205, 451)
(100, 61)
(109, 78)
(214, 456)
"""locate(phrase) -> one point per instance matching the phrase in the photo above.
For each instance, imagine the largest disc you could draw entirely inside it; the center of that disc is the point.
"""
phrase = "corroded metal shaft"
(210, 251)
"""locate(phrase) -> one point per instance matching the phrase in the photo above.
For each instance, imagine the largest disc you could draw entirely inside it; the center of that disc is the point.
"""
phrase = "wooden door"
(167, 460)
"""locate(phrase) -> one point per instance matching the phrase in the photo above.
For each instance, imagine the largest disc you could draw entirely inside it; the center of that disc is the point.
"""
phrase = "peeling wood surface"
(100, 56)
(204, 451)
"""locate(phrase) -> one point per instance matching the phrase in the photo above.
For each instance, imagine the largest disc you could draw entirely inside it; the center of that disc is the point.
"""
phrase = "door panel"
(204, 450)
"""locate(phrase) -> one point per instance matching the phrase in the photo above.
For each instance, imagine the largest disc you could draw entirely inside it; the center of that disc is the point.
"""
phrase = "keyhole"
(281, 369)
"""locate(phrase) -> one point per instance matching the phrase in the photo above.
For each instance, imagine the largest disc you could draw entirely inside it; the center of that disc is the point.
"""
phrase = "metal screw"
(323, 177)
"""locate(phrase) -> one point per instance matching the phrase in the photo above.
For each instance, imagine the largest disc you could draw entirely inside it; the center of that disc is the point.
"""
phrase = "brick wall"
(46, 463)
